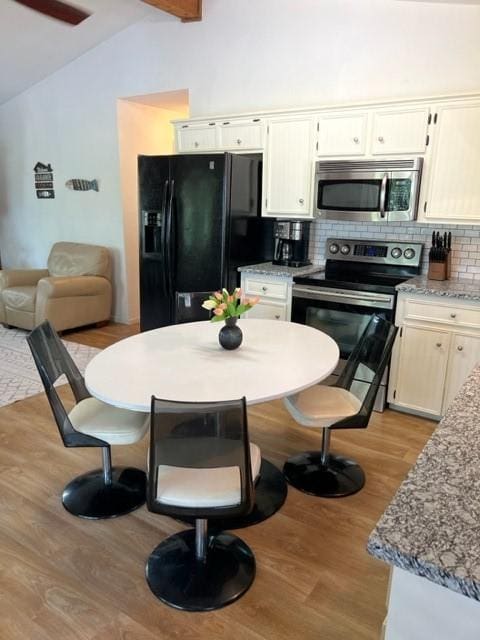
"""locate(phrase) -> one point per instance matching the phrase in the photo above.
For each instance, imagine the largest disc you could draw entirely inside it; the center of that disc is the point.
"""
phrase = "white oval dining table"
(185, 362)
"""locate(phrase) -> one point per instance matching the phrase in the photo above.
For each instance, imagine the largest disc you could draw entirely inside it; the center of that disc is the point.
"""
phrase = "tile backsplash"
(465, 241)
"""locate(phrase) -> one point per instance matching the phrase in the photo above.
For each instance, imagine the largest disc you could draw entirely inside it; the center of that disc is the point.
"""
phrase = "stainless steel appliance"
(359, 280)
(368, 190)
(199, 221)
(291, 242)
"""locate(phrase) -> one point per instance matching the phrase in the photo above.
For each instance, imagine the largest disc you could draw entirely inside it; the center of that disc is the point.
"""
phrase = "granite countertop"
(432, 526)
(466, 289)
(269, 269)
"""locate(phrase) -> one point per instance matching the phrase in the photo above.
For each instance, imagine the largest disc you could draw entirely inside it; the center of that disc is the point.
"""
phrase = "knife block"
(438, 270)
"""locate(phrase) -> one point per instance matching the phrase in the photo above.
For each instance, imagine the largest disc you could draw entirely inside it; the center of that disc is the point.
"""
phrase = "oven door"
(343, 315)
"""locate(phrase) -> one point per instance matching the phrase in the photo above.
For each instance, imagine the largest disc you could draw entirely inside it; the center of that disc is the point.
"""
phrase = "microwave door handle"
(383, 195)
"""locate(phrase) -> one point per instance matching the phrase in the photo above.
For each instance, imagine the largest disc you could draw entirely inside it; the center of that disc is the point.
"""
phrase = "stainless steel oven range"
(359, 280)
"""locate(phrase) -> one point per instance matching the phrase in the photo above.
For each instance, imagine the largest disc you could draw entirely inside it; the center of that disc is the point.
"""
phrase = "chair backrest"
(367, 362)
(200, 435)
(53, 360)
(188, 306)
(77, 259)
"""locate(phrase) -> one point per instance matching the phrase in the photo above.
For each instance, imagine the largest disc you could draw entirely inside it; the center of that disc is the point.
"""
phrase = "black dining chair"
(188, 306)
(201, 466)
(102, 493)
(347, 404)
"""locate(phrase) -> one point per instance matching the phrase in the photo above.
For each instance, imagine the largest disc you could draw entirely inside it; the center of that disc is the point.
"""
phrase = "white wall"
(244, 55)
(142, 130)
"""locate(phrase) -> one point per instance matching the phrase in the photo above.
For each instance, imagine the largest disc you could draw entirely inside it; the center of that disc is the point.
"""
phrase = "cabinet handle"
(277, 317)
(264, 289)
(301, 200)
(356, 140)
(195, 144)
(439, 344)
(239, 141)
(460, 348)
(453, 315)
(381, 139)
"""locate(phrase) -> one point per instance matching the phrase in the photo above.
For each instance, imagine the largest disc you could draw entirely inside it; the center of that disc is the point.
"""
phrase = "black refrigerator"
(199, 221)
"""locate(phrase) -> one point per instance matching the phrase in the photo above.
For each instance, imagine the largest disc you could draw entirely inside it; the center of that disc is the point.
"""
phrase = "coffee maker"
(291, 242)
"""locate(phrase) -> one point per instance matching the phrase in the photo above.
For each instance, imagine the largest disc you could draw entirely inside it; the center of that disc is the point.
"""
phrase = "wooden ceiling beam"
(187, 10)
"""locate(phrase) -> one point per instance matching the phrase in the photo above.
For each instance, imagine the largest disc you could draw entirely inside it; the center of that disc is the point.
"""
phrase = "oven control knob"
(396, 252)
(409, 253)
(333, 248)
(345, 249)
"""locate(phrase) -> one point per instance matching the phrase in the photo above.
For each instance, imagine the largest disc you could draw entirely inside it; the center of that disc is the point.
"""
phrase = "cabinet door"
(268, 310)
(422, 369)
(342, 134)
(241, 135)
(464, 356)
(398, 131)
(196, 137)
(288, 167)
(453, 191)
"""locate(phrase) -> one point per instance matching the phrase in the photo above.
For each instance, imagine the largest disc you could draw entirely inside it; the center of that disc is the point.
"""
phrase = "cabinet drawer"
(456, 316)
(265, 288)
(196, 138)
(268, 311)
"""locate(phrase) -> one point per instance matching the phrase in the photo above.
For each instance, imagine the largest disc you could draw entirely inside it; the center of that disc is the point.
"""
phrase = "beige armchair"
(73, 291)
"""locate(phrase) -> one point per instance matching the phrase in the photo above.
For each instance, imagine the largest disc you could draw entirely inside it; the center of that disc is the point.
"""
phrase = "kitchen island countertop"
(465, 289)
(432, 526)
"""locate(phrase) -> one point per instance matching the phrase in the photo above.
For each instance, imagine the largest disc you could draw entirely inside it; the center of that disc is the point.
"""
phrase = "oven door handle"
(383, 195)
(362, 298)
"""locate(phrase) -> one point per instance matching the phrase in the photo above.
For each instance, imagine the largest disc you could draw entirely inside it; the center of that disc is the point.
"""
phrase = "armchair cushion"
(20, 298)
(75, 259)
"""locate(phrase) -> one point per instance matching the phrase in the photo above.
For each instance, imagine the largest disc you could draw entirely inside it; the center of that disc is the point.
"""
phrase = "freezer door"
(196, 223)
(156, 306)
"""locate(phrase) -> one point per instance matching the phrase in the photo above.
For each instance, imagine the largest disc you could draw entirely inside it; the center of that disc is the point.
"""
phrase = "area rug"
(18, 374)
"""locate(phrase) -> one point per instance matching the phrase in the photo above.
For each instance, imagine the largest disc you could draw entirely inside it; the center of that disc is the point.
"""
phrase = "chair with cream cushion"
(201, 466)
(346, 405)
(102, 493)
(74, 290)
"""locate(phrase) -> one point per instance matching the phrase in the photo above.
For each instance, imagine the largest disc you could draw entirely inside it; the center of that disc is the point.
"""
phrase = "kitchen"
(314, 569)
(359, 240)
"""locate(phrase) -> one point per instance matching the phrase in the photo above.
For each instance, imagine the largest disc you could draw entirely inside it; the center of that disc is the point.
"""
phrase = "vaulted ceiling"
(33, 46)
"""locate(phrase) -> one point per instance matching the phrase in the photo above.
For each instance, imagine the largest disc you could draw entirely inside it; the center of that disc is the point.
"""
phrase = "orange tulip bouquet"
(226, 305)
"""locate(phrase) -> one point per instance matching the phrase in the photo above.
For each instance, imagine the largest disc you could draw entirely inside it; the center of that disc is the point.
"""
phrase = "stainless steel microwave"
(368, 190)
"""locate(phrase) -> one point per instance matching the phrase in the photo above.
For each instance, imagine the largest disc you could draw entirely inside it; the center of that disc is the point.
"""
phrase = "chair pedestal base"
(177, 578)
(88, 496)
(337, 478)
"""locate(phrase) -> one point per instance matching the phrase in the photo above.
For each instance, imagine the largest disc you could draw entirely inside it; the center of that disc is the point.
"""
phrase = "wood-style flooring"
(63, 578)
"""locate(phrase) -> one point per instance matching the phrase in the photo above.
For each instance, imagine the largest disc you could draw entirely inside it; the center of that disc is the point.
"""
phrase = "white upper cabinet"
(399, 131)
(288, 167)
(452, 183)
(197, 137)
(241, 135)
(342, 134)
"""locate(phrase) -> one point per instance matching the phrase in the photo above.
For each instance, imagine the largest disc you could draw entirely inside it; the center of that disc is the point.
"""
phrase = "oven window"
(345, 327)
(349, 195)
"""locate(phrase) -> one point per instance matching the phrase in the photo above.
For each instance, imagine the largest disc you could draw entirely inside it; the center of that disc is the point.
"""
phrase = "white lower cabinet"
(275, 294)
(437, 347)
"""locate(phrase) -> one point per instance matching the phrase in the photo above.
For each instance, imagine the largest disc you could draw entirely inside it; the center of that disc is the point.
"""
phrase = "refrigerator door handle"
(169, 241)
(163, 237)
